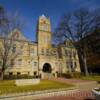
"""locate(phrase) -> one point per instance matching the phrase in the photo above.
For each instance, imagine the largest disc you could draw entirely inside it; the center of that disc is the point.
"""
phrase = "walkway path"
(84, 86)
(82, 95)
(81, 84)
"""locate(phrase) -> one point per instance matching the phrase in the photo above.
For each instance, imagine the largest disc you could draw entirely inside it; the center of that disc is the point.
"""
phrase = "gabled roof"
(17, 35)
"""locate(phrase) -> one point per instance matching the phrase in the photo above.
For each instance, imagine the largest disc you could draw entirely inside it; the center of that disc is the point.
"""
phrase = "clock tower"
(43, 35)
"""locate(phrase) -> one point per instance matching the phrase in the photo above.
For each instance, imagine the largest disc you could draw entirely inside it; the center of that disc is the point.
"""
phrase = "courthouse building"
(41, 57)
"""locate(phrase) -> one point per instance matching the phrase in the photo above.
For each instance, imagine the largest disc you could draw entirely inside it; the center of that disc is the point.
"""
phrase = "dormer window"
(16, 35)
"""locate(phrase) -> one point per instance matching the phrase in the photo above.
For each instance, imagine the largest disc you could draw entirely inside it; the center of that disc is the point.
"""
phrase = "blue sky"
(30, 10)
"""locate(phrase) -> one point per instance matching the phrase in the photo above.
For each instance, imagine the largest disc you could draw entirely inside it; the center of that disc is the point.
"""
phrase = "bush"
(71, 75)
(66, 75)
(24, 76)
(9, 77)
(76, 75)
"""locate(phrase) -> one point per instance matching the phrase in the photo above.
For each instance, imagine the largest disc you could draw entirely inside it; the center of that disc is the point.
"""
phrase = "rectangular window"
(35, 63)
(21, 47)
(18, 73)
(12, 62)
(32, 51)
(66, 52)
(20, 52)
(10, 73)
(69, 64)
(35, 73)
(70, 54)
(74, 54)
(14, 49)
(28, 73)
(54, 52)
(19, 61)
(0, 63)
(56, 64)
(75, 64)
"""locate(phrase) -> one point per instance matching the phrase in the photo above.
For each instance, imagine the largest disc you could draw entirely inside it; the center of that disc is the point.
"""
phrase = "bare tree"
(8, 51)
(75, 27)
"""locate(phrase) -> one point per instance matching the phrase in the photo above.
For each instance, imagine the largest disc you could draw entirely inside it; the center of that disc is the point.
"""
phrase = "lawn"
(8, 86)
(91, 78)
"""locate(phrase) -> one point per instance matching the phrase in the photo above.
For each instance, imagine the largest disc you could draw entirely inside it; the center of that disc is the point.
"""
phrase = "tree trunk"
(1, 75)
(80, 60)
(85, 64)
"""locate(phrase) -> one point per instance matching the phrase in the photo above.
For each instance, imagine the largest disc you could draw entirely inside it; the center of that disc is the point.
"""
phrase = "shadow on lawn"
(89, 99)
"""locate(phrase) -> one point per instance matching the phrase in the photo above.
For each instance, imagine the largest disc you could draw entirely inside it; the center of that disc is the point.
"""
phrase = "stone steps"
(48, 76)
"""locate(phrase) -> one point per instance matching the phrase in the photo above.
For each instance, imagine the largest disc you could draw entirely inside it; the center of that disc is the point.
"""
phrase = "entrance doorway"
(47, 68)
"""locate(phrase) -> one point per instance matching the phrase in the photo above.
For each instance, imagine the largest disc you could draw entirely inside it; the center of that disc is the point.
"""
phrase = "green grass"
(91, 78)
(8, 86)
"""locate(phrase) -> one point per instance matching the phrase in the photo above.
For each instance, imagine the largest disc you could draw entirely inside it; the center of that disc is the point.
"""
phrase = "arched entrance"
(47, 68)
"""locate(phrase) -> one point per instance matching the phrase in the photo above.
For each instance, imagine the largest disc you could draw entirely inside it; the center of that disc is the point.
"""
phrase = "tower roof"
(43, 16)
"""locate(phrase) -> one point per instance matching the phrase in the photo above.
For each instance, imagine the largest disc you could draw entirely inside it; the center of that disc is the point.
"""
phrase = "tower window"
(44, 27)
(42, 51)
(47, 52)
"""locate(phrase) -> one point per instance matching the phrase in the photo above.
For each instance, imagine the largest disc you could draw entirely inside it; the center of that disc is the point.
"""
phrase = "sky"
(30, 10)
